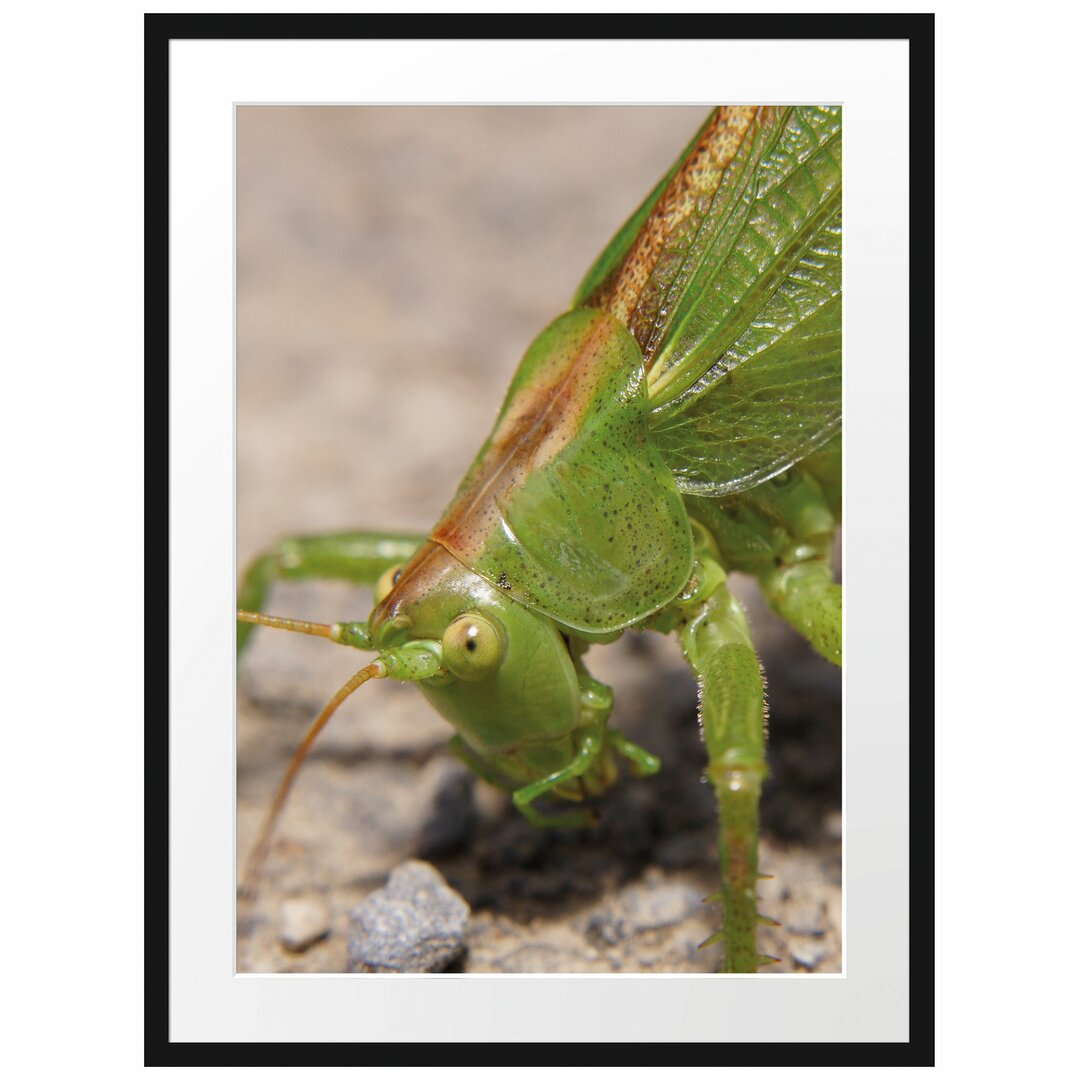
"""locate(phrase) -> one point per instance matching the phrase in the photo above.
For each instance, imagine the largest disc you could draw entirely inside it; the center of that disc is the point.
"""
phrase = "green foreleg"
(360, 557)
(716, 642)
(592, 742)
(805, 594)
(644, 763)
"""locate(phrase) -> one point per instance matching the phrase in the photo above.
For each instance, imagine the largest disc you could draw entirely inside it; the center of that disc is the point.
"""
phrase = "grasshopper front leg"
(359, 557)
(716, 642)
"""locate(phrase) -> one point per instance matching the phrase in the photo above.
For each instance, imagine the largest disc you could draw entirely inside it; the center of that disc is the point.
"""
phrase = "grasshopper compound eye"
(384, 586)
(472, 647)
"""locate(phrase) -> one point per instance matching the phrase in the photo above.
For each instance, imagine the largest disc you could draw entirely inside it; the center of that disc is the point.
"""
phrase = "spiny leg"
(359, 557)
(716, 642)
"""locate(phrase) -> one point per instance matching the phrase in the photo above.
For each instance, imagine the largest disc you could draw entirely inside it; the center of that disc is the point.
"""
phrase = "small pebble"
(808, 954)
(604, 929)
(303, 921)
(415, 923)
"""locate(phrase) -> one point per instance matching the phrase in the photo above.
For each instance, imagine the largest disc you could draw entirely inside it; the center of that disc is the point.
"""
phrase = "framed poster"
(251, 104)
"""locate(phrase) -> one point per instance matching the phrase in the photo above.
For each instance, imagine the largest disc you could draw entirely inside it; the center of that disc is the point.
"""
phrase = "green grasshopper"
(681, 421)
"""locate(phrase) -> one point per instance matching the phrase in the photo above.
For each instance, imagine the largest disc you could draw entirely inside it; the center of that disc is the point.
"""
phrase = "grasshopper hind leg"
(716, 642)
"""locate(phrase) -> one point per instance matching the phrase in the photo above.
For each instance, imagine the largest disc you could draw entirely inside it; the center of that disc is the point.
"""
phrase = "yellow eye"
(472, 647)
(384, 586)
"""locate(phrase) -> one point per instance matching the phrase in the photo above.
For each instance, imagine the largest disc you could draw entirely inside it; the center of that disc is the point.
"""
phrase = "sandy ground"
(392, 266)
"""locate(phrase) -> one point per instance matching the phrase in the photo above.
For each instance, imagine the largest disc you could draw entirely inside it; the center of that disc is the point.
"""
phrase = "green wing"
(734, 296)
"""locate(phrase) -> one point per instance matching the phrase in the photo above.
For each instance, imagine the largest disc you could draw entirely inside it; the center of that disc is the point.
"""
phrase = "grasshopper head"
(508, 682)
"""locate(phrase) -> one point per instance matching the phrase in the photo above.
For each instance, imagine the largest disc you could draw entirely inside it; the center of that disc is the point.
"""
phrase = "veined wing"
(732, 289)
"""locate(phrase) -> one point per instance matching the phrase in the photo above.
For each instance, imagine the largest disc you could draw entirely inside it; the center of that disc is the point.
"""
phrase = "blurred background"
(392, 265)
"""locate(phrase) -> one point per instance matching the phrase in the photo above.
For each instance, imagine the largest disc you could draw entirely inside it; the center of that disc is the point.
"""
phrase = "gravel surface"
(392, 266)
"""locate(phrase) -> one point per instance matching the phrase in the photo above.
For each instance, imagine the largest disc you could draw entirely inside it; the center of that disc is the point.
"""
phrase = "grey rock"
(415, 923)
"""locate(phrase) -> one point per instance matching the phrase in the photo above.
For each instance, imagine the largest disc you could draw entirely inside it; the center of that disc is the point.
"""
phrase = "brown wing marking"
(621, 291)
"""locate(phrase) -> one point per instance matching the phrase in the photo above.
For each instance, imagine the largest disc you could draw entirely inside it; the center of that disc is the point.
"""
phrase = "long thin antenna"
(355, 634)
(249, 885)
(317, 629)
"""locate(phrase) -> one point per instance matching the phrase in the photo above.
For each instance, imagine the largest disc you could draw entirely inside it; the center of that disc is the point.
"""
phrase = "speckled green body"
(681, 422)
(569, 507)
